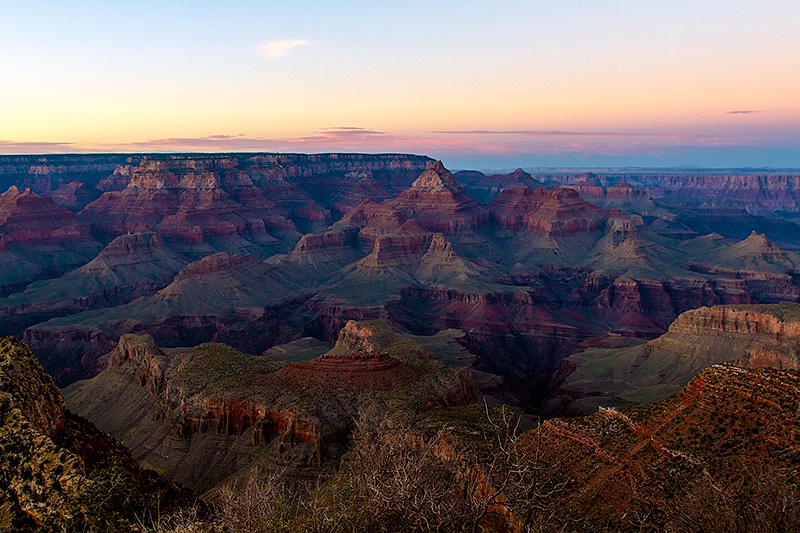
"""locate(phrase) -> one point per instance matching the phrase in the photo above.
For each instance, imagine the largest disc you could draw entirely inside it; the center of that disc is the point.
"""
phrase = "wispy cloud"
(562, 133)
(22, 147)
(349, 130)
(745, 111)
(282, 47)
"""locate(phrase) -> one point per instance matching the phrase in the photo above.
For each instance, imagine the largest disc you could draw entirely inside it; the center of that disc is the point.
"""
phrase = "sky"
(498, 84)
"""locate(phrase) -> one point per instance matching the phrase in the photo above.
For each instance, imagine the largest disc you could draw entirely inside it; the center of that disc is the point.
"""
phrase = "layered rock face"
(52, 462)
(44, 174)
(781, 321)
(254, 407)
(768, 191)
(485, 188)
(528, 277)
(752, 336)
(546, 212)
(437, 202)
(38, 240)
(769, 273)
(189, 201)
(772, 192)
(131, 266)
(622, 196)
(29, 219)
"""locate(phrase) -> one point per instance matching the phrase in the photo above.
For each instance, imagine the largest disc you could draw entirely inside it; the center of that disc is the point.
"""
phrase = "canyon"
(259, 250)
(225, 314)
(203, 415)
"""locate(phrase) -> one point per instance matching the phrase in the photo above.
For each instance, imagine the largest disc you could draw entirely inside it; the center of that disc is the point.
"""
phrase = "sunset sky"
(484, 84)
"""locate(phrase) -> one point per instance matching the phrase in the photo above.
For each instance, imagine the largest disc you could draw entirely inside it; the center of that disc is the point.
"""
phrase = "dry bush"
(254, 505)
(764, 500)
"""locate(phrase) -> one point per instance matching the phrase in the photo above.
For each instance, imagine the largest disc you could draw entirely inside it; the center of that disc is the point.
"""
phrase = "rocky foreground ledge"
(57, 471)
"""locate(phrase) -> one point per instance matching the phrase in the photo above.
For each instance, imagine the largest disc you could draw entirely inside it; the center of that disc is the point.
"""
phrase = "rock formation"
(752, 336)
(131, 266)
(29, 219)
(546, 212)
(439, 204)
(53, 464)
(255, 407)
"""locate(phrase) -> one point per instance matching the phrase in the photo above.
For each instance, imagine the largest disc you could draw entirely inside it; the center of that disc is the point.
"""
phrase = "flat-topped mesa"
(27, 218)
(438, 203)
(622, 224)
(624, 189)
(337, 237)
(546, 212)
(350, 363)
(781, 321)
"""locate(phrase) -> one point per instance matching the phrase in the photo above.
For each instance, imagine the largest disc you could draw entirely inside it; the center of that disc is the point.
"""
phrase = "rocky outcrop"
(780, 321)
(141, 352)
(52, 463)
(665, 459)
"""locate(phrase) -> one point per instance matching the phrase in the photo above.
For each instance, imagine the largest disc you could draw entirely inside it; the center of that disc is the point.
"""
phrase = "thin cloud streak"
(282, 47)
(745, 111)
(22, 147)
(567, 133)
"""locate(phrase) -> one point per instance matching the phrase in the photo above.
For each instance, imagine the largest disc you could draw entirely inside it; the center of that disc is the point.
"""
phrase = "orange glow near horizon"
(658, 75)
